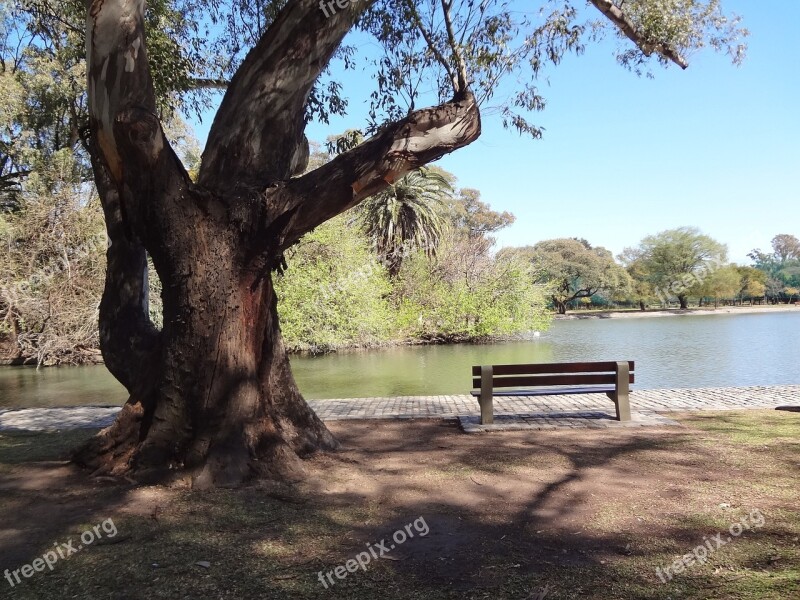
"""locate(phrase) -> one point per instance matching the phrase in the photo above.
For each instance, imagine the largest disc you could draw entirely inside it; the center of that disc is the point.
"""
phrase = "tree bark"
(212, 395)
(684, 301)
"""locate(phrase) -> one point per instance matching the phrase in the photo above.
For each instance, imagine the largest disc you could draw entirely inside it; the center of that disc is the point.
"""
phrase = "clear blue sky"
(715, 146)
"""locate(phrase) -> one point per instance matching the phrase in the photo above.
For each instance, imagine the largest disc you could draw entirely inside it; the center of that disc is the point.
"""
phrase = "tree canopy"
(675, 260)
(573, 269)
(781, 266)
(406, 216)
(196, 47)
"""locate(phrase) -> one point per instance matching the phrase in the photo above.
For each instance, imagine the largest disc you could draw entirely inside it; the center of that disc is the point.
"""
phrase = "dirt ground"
(522, 515)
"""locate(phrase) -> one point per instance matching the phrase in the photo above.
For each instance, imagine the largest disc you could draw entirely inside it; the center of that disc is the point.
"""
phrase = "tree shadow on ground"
(585, 514)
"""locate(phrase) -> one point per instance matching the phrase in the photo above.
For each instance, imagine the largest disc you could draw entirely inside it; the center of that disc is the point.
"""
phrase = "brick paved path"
(541, 412)
(641, 400)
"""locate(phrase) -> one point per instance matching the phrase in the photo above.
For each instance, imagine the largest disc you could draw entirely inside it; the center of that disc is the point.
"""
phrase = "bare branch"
(434, 50)
(461, 66)
(615, 14)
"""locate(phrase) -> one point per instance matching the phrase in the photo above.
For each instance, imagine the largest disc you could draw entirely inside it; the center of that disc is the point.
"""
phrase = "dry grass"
(585, 514)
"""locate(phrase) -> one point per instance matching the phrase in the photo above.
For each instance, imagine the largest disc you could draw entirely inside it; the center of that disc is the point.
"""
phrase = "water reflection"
(689, 351)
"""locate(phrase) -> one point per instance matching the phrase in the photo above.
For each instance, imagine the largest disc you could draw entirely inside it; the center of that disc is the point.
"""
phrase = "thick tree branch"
(129, 341)
(204, 83)
(128, 142)
(254, 138)
(621, 20)
(118, 73)
(422, 137)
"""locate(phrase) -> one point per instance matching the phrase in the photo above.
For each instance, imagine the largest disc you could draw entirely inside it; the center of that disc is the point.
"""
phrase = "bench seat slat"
(543, 368)
(550, 391)
(539, 380)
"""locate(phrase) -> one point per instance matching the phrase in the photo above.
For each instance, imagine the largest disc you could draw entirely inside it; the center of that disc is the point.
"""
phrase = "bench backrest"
(544, 374)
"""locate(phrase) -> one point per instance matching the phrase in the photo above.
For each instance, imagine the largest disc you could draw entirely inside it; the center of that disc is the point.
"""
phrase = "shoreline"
(677, 312)
(94, 357)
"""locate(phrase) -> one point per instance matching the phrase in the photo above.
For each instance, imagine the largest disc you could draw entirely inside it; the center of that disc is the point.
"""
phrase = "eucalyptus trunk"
(212, 395)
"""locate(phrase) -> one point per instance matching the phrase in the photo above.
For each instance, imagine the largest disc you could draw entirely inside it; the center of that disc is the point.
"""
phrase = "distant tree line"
(675, 266)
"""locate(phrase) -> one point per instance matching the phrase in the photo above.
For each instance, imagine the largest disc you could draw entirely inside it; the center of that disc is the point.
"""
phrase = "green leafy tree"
(752, 283)
(781, 266)
(406, 216)
(467, 212)
(724, 282)
(641, 289)
(465, 293)
(334, 291)
(786, 248)
(675, 260)
(573, 269)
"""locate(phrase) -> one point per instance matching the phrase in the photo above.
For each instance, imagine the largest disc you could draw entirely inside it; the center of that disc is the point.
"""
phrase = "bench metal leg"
(621, 400)
(486, 402)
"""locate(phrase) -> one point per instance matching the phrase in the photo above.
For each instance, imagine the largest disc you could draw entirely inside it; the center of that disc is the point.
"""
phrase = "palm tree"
(406, 216)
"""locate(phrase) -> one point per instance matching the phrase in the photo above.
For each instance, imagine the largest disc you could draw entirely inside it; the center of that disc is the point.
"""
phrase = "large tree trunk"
(561, 307)
(684, 300)
(212, 395)
(223, 405)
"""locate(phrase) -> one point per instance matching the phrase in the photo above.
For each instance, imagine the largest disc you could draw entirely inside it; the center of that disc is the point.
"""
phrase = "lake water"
(670, 352)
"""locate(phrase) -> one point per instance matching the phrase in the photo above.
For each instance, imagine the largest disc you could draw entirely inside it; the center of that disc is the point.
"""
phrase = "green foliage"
(686, 26)
(467, 212)
(752, 283)
(641, 290)
(673, 261)
(340, 288)
(406, 216)
(334, 292)
(781, 266)
(465, 293)
(573, 269)
(786, 248)
(724, 282)
(496, 41)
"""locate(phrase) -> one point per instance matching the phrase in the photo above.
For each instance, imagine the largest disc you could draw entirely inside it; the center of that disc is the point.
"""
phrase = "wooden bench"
(544, 379)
